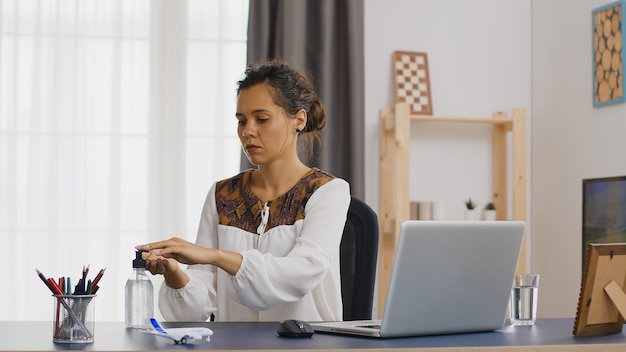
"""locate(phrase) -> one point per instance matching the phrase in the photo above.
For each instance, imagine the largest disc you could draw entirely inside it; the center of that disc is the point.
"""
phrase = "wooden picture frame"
(410, 70)
(602, 301)
(607, 54)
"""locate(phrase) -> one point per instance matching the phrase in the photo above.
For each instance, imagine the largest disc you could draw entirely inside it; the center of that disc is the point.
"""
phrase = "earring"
(298, 130)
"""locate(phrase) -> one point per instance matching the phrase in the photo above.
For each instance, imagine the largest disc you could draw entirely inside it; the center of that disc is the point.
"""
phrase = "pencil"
(83, 283)
(98, 277)
(57, 329)
(43, 278)
(55, 288)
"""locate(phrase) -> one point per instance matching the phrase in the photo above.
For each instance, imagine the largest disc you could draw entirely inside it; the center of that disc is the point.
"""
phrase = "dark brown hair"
(290, 89)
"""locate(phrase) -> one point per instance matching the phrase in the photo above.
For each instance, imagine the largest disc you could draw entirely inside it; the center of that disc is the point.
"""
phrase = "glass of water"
(524, 299)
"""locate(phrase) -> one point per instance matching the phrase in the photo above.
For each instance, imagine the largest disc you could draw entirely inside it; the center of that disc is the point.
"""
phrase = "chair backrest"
(358, 258)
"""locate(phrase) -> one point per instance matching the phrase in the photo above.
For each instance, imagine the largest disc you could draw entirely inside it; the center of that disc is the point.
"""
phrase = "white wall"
(488, 55)
(479, 62)
(571, 141)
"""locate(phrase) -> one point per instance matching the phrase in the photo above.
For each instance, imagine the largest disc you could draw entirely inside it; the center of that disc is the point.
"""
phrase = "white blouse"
(289, 271)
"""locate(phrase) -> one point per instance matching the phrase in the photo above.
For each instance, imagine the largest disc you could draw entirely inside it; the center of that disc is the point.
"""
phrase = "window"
(115, 119)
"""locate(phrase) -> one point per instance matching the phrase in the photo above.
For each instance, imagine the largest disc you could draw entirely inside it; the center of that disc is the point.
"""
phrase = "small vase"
(490, 215)
(471, 214)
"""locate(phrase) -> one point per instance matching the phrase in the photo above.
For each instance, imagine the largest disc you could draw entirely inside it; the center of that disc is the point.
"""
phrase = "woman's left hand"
(178, 249)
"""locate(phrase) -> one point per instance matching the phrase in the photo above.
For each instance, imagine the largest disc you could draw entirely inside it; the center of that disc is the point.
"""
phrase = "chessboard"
(412, 82)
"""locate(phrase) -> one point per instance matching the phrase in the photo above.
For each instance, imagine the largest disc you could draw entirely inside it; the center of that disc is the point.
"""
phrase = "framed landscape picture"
(607, 54)
(604, 211)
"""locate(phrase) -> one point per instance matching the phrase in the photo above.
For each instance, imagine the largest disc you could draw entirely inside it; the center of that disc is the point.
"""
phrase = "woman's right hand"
(168, 267)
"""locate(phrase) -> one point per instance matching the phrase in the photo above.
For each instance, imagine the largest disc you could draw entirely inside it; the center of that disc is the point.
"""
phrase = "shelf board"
(492, 120)
(499, 119)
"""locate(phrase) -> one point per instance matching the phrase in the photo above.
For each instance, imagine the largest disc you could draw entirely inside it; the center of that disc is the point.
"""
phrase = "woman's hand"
(166, 253)
(160, 265)
(162, 258)
(177, 249)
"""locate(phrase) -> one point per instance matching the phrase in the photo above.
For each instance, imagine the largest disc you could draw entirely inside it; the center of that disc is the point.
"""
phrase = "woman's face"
(263, 126)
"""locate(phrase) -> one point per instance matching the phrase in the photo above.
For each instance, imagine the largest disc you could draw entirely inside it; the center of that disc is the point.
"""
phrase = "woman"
(268, 241)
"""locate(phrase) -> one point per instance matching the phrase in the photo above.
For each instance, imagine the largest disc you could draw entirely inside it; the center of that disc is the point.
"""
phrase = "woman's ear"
(300, 120)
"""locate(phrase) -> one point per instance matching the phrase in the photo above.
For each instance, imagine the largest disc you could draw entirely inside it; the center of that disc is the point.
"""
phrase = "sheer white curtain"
(115, 118)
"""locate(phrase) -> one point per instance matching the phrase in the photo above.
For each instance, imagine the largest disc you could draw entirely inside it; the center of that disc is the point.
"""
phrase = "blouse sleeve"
(265, 281)
(197, 299)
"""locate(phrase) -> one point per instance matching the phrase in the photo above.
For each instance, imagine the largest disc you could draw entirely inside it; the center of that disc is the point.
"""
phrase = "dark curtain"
(325, 39)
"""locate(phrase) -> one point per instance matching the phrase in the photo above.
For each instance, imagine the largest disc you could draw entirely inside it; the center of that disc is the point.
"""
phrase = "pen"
(78, 290)
(62, 284)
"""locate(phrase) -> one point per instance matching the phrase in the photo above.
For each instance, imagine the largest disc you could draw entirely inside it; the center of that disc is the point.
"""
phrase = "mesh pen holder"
(73, 320)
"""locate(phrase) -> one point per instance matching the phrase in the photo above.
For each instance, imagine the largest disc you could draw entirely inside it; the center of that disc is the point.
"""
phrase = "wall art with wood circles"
(608, 54)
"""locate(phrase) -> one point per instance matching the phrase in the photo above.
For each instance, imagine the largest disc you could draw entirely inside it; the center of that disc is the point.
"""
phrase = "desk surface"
(547, 335)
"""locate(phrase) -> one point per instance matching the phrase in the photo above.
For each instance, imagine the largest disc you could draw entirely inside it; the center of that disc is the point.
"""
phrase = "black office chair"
(358, 256)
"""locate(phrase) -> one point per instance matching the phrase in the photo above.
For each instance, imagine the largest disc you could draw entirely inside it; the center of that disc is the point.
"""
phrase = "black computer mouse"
(294, 328)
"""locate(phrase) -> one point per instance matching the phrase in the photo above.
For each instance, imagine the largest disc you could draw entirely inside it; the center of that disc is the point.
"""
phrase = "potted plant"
(470, 210)
(490, 212)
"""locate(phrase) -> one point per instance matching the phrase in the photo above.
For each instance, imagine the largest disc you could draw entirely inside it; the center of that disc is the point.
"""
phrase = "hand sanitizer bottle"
(139, 296)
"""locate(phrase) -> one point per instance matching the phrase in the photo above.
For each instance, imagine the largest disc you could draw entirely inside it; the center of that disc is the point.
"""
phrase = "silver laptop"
(447, 277)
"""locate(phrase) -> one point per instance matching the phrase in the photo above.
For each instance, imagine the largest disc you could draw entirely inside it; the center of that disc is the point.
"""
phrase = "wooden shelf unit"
(394, 188)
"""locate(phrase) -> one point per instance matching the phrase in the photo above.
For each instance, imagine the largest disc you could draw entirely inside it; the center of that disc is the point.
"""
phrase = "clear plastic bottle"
(139, 296)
